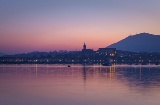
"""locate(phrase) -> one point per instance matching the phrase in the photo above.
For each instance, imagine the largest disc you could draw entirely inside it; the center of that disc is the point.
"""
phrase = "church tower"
(84, 46)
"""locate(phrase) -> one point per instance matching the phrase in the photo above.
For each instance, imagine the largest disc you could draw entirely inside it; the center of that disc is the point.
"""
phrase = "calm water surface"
(79, 85)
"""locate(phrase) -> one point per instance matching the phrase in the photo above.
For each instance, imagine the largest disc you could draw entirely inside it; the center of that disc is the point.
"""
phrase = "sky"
(48, 25)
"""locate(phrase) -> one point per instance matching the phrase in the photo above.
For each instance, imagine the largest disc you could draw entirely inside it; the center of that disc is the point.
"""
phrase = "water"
(79, 85)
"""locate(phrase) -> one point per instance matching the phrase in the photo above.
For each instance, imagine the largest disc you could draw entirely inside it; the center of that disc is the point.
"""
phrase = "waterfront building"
(107, 51)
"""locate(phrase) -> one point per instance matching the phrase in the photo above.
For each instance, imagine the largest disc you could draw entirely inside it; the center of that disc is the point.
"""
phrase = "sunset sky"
(47, 25)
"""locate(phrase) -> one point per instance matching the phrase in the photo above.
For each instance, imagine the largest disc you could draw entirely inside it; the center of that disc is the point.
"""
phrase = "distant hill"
(37, 54)
(2, 54)
(143, 42)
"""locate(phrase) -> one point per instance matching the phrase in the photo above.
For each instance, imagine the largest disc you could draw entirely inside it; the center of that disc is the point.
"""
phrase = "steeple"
(84, 46)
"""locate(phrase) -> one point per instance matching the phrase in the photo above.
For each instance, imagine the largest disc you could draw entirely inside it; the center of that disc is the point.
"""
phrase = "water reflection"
(143, 76)
(135, 75)
(79, 85)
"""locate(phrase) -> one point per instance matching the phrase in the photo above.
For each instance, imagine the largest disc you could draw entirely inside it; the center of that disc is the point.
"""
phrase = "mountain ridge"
(142, 42)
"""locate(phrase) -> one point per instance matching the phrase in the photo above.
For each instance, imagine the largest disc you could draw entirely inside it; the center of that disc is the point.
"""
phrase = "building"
(107, 51)
(86, 50)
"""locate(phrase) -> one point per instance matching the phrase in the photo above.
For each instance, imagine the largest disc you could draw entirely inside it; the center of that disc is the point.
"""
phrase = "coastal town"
(85, 56)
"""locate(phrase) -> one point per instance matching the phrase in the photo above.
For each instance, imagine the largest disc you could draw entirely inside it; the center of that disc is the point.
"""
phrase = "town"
(85, 56)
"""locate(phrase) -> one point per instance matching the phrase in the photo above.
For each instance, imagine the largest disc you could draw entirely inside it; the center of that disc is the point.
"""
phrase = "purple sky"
(47, 25)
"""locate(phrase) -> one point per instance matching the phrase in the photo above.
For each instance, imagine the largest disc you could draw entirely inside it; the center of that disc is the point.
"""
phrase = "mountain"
(142, 42)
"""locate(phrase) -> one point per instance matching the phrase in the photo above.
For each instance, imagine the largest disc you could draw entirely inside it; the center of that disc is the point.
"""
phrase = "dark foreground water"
(79, 85)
